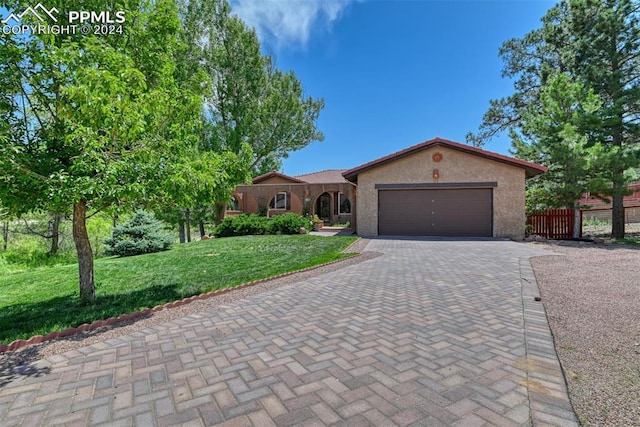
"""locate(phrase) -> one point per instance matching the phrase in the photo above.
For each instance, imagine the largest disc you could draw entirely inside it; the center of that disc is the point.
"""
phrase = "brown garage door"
(445, 212)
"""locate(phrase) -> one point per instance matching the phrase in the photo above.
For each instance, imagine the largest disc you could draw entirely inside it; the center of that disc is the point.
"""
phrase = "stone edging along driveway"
(410, 336)
(354, 248)
(548, 390)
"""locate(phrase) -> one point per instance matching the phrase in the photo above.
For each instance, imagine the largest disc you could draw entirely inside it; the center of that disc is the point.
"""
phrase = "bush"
(142, 234)
(242, 225)
(289, 223)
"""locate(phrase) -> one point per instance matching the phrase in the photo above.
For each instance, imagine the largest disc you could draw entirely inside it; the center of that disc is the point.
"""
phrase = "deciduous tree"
(251, 100)
(94, 120)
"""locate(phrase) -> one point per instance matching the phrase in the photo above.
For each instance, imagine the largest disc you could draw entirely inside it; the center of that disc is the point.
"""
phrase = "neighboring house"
(436, 188)
(595, 208)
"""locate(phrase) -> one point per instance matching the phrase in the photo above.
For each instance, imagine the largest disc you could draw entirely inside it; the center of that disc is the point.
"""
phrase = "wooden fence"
(553, 224)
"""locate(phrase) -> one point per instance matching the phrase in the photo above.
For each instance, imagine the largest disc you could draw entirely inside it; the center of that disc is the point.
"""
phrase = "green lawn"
(40, 301)
(630, 241)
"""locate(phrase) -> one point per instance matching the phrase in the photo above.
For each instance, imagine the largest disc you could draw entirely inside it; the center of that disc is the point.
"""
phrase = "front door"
(323, 207)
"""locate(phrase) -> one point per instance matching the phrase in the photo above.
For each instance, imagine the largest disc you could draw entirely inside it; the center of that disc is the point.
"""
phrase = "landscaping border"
(88, 327)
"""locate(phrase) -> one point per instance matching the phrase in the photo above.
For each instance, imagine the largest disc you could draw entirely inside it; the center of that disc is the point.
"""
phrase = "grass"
(28, 251)
(341, 224)
(631, 241)
(44, 300)
(595, 222)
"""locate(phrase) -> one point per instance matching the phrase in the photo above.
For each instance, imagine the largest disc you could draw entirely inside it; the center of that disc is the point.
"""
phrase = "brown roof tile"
(329, 176)
(264, 177)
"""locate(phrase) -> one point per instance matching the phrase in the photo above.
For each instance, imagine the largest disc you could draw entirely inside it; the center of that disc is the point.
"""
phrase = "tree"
(94, 120)
(4, 224)
(554, 140)
(142, 234)
(251, 101)
(597, 44)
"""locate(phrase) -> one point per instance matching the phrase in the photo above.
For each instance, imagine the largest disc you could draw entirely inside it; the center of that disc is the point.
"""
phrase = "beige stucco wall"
(455, 166)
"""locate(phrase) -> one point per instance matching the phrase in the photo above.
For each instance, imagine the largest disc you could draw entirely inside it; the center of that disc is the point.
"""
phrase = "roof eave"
(531, 169)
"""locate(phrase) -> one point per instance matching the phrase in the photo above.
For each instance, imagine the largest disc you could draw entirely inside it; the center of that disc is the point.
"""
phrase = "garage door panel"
(446, 212)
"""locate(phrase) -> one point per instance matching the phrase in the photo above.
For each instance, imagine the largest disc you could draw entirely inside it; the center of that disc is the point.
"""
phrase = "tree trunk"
(85, 254)
(617, 215)
(55, 234)
(219, 209)
(577, 223)
(181, 231)
(201, 226)
(187, 218)
(5, 235)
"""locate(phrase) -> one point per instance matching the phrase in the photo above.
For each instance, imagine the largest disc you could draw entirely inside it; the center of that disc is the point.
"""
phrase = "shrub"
(288, 223)
(225, 228)
(242, 225)
(142, 234)
(245, 224)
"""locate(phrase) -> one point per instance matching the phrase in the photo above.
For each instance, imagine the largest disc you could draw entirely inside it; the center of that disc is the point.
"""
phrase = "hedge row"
(246, 224)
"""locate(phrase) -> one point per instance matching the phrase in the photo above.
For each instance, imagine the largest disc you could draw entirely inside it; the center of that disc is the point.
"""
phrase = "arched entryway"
(323, 207)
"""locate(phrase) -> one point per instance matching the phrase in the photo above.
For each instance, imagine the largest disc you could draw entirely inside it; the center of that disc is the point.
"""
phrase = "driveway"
(432, 332)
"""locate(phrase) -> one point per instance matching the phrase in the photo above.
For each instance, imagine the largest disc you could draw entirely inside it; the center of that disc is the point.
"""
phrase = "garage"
(442, 188)
(435, 212)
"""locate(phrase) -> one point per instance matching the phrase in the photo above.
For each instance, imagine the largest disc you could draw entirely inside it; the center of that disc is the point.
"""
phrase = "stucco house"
(436, 188)
(326, 194)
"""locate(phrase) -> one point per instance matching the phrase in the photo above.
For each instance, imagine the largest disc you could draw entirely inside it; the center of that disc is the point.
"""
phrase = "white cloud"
(288, 22)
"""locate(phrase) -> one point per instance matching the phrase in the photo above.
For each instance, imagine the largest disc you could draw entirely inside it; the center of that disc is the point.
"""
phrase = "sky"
(393, 73)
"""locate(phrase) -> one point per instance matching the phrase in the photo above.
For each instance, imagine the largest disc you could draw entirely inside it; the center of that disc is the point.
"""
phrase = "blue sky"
(392, 73)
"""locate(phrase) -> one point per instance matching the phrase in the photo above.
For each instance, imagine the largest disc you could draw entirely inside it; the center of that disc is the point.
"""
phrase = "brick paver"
(433, 332)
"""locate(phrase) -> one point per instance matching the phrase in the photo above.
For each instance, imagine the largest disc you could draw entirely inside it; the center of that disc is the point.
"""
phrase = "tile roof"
(272, 174)
(531, 169)
(328, 176)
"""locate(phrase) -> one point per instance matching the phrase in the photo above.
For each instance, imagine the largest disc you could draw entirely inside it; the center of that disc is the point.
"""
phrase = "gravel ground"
(11, 362)
(592, 298)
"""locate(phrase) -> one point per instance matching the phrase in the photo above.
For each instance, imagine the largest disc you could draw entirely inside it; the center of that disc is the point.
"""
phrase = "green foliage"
(250, 100)
(288, 223)
(342, 224)
(45, 300)
(142, 234)
(100, 227)
(248, 224)
(242, 225)
(555, 140)
(94, 120)
(576, 96)
(263, 210)
(26, 252)
(589, 222)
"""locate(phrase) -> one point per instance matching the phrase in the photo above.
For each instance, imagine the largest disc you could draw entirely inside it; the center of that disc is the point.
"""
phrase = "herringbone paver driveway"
(430, 333)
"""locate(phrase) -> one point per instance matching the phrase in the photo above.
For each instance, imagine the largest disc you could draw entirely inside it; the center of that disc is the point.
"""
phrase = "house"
(436, 188)
(326, 194)
(597, 208)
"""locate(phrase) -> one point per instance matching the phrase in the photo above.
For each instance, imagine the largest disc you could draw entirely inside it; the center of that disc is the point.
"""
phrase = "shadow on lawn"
(22, 321)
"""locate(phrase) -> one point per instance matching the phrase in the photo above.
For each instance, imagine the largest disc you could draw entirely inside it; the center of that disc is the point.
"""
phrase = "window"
(344, 205)
(279, 201)
(233, 204)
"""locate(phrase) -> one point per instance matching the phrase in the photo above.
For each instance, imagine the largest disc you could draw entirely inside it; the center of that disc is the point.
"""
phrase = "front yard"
(44, 300)
(592, 297)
